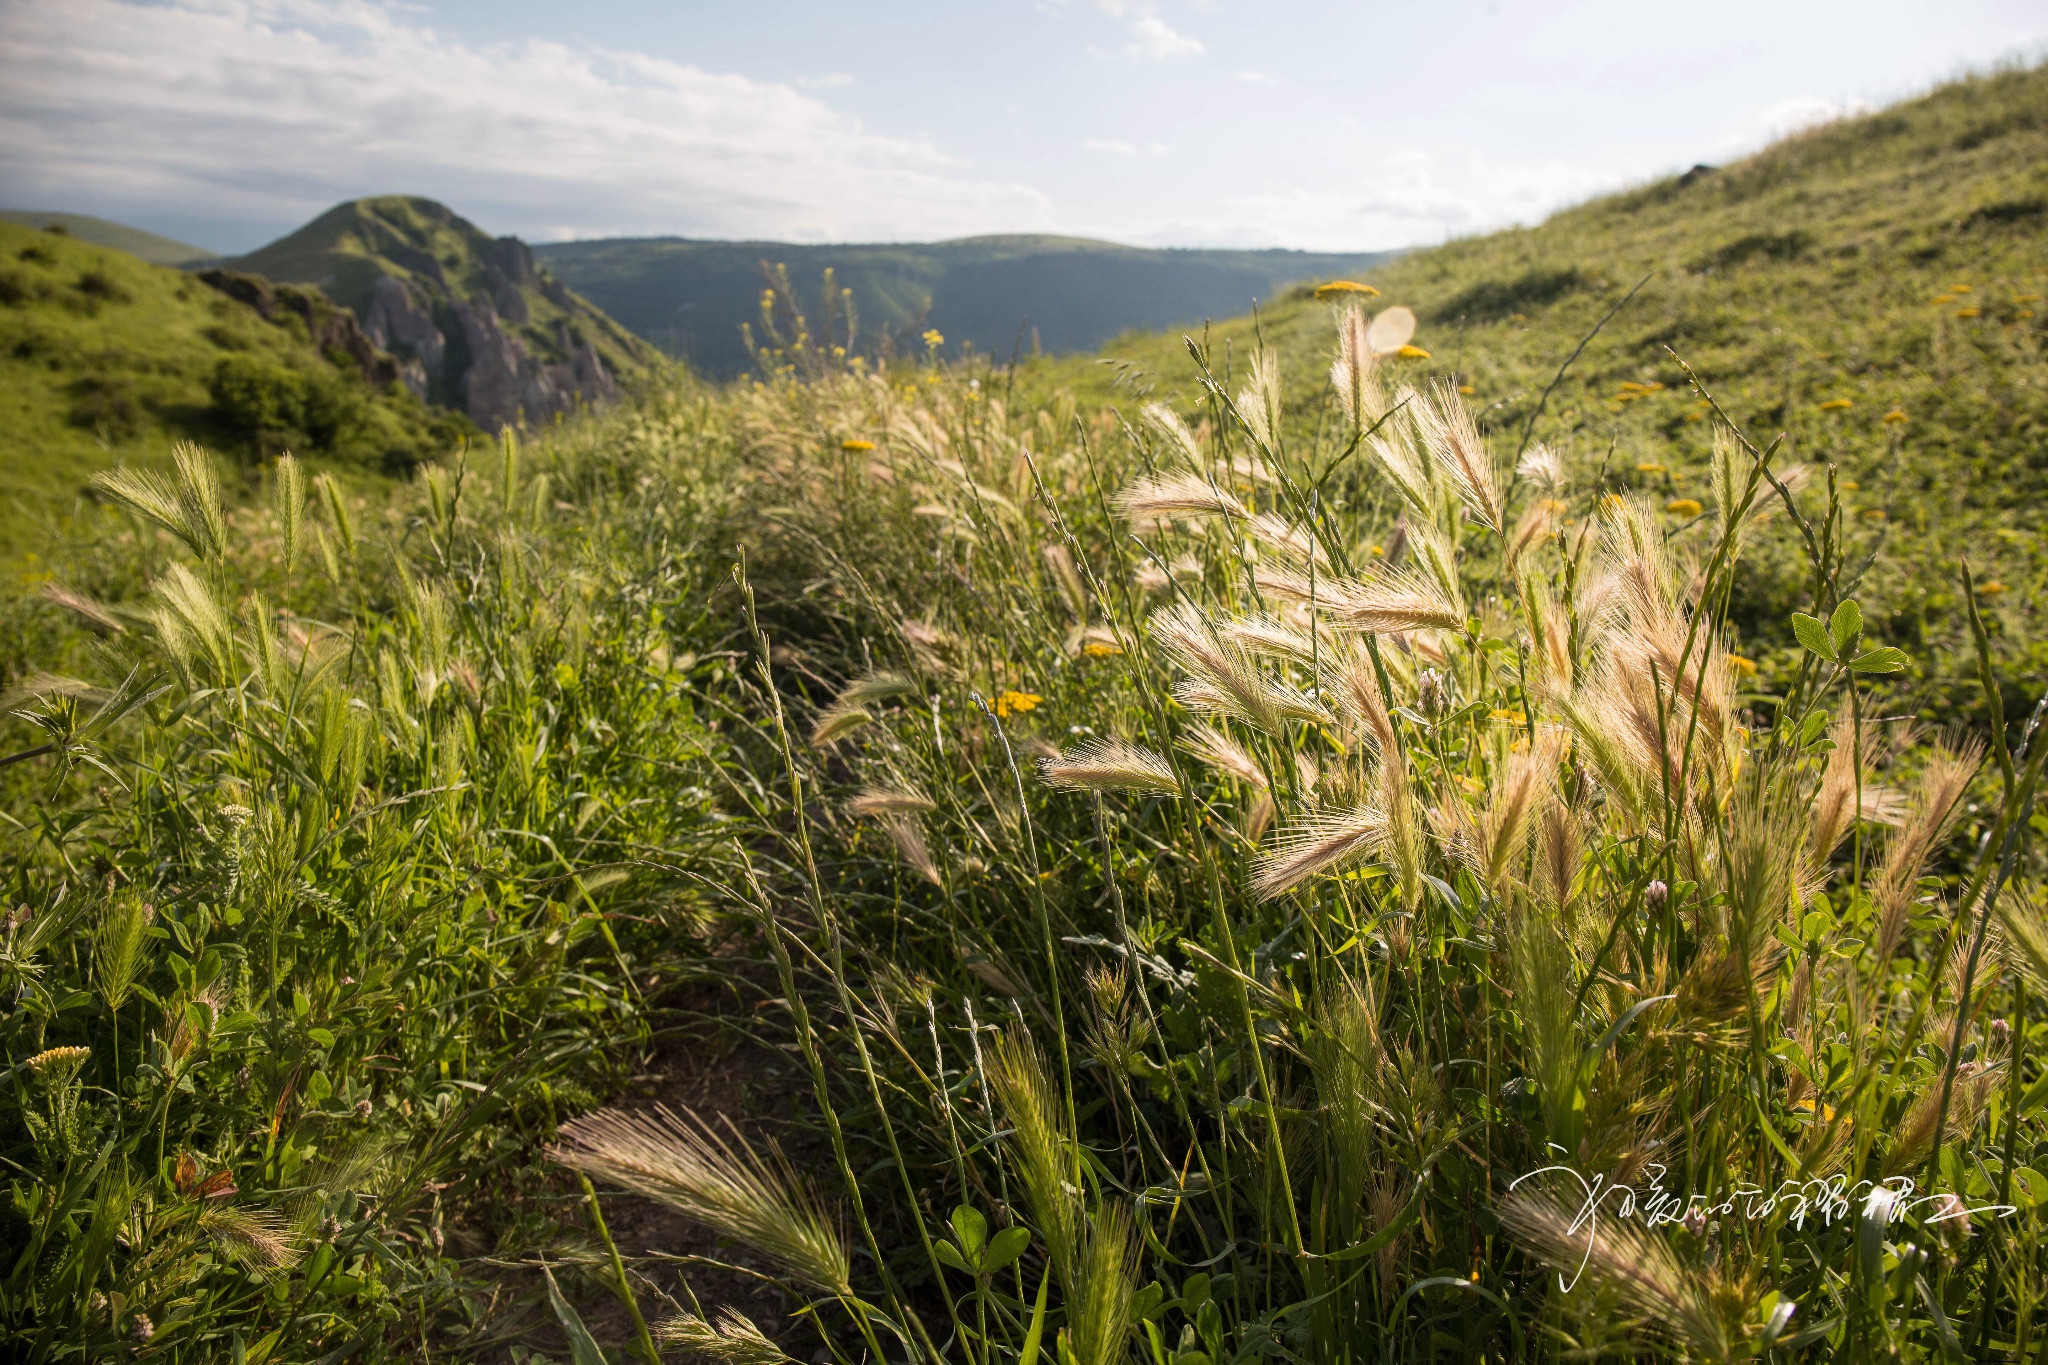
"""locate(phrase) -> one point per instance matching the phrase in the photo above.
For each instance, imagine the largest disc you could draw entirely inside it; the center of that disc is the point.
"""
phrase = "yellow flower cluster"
(1837, 404)
(1412, 352)
(855, 446)
(1337, 288)
(1009, 703)
(1684, 507)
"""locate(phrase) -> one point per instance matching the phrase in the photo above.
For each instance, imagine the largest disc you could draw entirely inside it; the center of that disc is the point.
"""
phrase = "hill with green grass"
(105, 358)
(151, 247)
(474, 321)
(993, 295)
(1872, 289)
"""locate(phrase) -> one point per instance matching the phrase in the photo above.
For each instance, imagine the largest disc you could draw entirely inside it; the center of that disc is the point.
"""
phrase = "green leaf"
(1882, 660)
(1005, 1247)
(971, 1228)
(949, 1256)
(1814, 636)
(583, 1348)
(1845, 625)
(321, 1036)
(1036, 1333)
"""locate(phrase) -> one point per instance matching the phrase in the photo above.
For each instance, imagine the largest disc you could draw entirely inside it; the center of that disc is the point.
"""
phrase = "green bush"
(268, 408)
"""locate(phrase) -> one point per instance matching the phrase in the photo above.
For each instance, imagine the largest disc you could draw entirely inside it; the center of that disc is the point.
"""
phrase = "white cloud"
(1255, 78)
(1151, 36)
(1404, 200)
(270, 110)
(831, 80)
(1798, 113)
(1110, 147)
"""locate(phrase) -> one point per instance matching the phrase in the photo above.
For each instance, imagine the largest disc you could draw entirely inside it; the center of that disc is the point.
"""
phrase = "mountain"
(473, 321)
(999, 294)
(106, 358)
(1874, 289)
(99, 232)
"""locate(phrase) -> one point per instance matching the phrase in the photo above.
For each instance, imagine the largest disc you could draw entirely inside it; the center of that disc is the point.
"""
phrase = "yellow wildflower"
(1894, 417)
(1742, 665)
(1851, 485)
(856, 446)
(1337, 287)
(1836, 405)
(1684, 507)
(2026, 298)
(1959, 289)
(1873, 514)
(1968, 312)
(1940, 299)
(1503, 713)
(1467, 390)
(2023, 314)
(1991, 589)
(1016, 703)
(1099, 649)
(1826, 1112)
(1412, 352)
(1650, 467)
(934, 339)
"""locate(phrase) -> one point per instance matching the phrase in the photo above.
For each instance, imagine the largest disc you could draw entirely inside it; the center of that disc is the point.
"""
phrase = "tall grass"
(1297, 869)
(329, 890)
(1241, 882)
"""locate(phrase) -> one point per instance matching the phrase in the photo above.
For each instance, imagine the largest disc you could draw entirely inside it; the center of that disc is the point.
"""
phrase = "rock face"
(491, 373)
(504, 383)
(470, 321)
(398, 324)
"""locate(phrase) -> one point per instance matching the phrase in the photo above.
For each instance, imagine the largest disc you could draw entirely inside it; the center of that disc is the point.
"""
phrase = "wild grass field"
(1249, 853)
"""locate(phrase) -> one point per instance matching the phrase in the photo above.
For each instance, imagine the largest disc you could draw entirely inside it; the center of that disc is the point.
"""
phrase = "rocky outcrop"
(332, 329)
(469, 321)
(505, 385)
(397, 322)
(470, 353)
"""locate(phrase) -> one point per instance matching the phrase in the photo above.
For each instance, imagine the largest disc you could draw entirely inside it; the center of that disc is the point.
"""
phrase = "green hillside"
(475, 322)
(1873, 288)
(155, 249)
(105, 358)
(1056, 294)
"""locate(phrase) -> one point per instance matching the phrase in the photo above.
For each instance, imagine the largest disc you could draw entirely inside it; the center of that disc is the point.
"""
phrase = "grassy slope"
(1830, 266)
(151, 247)
(346, 249)
(105, 358)
(691, 297)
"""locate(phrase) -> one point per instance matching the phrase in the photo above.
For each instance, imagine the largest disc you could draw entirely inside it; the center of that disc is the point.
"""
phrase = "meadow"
(1247, 852)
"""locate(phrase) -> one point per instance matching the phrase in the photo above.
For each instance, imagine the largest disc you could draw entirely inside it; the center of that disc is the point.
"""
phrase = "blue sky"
(1331, 126)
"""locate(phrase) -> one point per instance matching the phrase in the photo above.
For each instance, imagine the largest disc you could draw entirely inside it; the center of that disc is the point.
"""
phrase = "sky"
(1323, 124)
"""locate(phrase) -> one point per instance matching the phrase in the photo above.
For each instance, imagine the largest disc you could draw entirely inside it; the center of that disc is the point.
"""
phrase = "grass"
(1872, 288)
(106, 359)
(150, 246)
(1227, 872)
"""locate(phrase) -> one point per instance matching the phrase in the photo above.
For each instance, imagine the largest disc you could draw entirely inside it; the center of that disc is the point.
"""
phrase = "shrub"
(268, 407)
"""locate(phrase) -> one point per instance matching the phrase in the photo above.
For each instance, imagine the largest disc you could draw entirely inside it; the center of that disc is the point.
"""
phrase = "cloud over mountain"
(269, 110)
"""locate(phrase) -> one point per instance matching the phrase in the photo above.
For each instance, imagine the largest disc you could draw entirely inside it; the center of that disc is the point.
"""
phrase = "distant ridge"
(1043, 293)
(149, 246)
